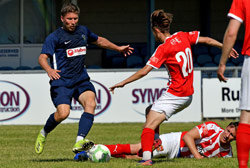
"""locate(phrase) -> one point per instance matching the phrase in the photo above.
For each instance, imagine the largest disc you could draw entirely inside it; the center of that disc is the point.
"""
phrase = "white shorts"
(170, 145)
(245, 85)
(170, 104)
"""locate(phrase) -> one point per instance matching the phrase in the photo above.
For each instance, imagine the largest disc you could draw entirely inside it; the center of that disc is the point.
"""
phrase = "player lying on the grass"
(204, 140)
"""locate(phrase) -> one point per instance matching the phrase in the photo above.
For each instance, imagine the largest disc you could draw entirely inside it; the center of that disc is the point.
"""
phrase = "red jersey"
(240, 10)
(209, 143)
(175, 53)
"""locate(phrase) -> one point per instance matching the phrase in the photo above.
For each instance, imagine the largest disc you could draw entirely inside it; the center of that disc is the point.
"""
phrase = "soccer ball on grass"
(99, 153)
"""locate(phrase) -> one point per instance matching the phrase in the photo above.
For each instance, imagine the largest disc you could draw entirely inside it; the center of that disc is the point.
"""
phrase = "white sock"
(78, 138)
(146, 155)
(44, 133)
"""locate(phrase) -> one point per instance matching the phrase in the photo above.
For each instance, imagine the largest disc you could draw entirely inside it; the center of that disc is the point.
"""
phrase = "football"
(99, 153)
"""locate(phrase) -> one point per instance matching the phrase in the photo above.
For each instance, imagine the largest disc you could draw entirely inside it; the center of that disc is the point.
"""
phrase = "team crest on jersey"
(84, 37)
(73, 52)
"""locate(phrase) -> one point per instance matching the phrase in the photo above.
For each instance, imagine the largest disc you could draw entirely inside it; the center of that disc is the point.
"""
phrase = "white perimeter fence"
(25, 97)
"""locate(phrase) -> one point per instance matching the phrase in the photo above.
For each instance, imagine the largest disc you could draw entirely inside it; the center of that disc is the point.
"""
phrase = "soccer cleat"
(40, 141)
(81, 156)
(145, 162)
(82, 145)
(157, 143)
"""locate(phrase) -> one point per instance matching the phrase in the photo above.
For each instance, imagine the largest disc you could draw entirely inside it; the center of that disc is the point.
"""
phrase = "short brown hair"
(161, 20)
(68, 8)
(235, 124)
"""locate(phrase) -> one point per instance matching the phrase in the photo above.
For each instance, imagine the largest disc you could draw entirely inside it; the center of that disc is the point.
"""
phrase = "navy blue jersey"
(67, 52)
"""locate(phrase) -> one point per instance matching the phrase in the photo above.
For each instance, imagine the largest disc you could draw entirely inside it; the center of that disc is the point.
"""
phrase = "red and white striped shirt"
(209, 141)
(175, 53)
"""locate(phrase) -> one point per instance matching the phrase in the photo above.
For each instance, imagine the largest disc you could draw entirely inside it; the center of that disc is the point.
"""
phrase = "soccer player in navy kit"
(66, 48)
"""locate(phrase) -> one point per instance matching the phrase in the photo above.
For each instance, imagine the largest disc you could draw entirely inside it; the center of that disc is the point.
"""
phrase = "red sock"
(119, 149)
(147, 139)
(119, 156)
(243, 144)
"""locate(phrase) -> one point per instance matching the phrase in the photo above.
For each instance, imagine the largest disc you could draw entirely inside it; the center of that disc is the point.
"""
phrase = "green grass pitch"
(17, 146)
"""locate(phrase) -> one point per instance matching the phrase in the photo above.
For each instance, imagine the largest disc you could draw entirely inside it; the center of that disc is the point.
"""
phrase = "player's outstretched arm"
(189, 138)
(228, 42)
(139, 74)
(105, 43)
(52, 73)
(212, 42)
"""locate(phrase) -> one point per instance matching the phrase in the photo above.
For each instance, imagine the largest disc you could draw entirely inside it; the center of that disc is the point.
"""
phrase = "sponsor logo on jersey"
(73, 52)
(14, 100)
(103, 100)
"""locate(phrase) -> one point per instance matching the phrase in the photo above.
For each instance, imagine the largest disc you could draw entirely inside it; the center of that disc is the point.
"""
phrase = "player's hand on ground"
(220, 73)
(118, 85)
(53, 74)
(200, 157)
(126, 50)
(234, 53)
(201, 151)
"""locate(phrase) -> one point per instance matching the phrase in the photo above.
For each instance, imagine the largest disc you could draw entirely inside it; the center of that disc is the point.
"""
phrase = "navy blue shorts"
(64, 95)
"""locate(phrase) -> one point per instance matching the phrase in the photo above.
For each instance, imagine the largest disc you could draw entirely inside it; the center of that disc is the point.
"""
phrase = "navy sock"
(85, 124)
(50, 124)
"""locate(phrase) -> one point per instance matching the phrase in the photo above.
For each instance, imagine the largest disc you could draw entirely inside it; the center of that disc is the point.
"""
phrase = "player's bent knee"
(63, 116)
(60, 117)
(90, 104)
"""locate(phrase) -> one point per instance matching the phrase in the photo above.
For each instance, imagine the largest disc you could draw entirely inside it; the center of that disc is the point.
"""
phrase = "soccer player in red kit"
(239, 13)
(176, 55)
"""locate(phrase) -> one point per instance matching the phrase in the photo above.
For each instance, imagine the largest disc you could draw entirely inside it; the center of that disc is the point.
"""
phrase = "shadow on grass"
(160, 160)
(52, 160)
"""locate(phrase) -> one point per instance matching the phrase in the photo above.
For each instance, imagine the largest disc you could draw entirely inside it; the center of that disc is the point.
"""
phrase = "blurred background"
(26, 23)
